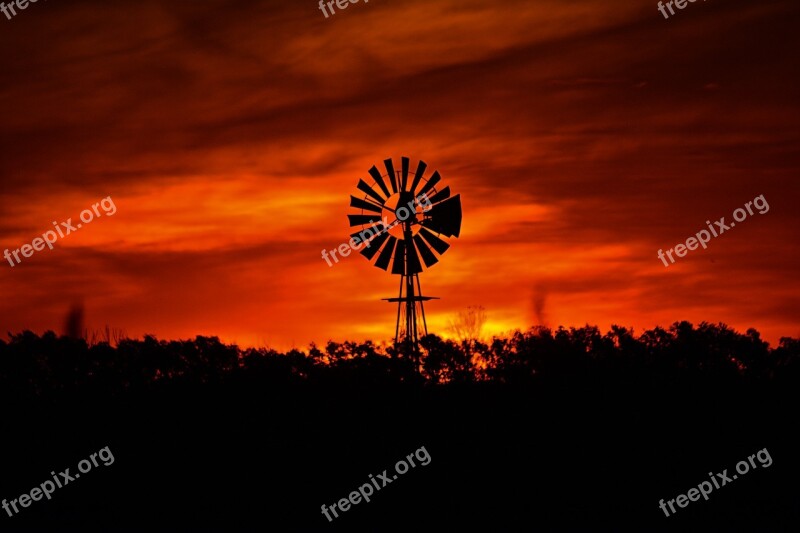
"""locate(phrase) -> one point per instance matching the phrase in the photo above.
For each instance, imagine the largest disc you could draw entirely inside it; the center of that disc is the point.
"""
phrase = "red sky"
(583, 137)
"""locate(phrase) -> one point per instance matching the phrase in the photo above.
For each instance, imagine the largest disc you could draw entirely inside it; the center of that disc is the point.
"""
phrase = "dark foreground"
(264, 449)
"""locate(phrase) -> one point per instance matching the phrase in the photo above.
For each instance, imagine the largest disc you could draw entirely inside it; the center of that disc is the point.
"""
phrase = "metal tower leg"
(399, 308)
(421, 307)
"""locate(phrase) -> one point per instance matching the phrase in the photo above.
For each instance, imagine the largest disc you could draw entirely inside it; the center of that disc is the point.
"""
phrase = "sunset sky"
(583, 137)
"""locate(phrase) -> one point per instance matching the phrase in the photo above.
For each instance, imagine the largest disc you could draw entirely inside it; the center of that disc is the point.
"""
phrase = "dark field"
(563, 431)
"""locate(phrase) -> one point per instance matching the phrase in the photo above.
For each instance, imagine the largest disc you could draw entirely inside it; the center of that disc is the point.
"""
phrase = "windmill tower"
(403, 222)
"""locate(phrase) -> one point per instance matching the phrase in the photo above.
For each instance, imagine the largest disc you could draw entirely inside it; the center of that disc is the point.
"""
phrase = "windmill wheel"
(404, 221)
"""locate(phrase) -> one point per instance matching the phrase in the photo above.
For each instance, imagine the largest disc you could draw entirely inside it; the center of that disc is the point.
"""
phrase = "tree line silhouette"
(566, 427)
(32, 365)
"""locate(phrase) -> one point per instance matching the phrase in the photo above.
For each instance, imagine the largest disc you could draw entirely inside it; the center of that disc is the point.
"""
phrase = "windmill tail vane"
(415, 239)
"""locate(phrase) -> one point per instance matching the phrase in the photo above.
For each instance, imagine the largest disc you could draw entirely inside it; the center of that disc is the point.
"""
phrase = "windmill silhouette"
(417, 216)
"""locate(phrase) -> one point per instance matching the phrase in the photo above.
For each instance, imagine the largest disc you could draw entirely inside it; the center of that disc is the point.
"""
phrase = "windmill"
(416, 218)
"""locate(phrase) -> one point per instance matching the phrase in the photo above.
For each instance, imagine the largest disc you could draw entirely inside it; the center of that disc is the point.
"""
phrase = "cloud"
(583, 137)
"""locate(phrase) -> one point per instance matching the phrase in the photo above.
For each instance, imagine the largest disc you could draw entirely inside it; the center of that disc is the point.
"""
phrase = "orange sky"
(582, 136)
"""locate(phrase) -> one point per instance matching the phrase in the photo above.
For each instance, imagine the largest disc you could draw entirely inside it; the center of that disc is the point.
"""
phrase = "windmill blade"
(438, 244)
(386, 253)
(406, 261)
(418, 175)
(371, 231)
(445, 217)
(360, 220)
(376, 175)
(390, 173)
(365, 205)
(398, 265)
(369, 191)
(436, 178)
(425, 251)
(374, 245)
(413, 266)
(441, 195)
(404, 175)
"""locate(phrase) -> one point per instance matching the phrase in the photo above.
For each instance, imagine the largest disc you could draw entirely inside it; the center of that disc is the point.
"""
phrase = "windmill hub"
(403, 210)
(414, 234)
